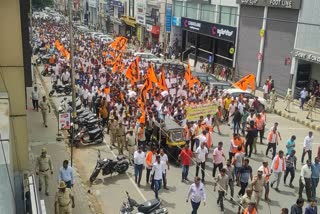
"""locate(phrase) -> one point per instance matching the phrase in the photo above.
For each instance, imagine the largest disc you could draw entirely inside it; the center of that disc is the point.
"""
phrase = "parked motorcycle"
(148, 207)
(66, 89)
(47, 71)
(109, 166)
(90, 135)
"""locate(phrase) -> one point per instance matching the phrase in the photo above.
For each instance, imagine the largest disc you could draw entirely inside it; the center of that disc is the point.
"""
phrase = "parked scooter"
(109, 166)
(66, 89)
(148, 207)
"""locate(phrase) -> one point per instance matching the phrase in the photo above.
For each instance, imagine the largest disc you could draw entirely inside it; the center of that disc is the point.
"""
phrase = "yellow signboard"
(262, 31)
(195, 111)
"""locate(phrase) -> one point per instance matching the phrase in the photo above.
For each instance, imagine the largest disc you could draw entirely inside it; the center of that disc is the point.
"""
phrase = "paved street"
(110, 190)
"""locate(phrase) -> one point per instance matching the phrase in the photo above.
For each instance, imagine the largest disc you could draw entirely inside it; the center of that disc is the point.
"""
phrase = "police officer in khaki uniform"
(64, 200)
(43, 166)
(112, 128)
(288, 100)
(131, 142)
(273, 99)
(311, 103)
(44, 106)
(121, 137)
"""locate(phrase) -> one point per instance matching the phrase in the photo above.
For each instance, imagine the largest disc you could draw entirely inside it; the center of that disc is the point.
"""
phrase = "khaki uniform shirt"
(258, 187)
(121, 131)
(63, 198)
(44, 106)
(131, 140)
(44, 164)
(113, 126)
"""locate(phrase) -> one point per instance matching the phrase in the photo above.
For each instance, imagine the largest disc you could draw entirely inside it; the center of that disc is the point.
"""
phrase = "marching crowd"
(129, 94)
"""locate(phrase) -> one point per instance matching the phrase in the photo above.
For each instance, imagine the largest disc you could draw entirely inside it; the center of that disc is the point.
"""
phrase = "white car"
(106, 39)
(235, 93)
(94, 35)
(149, 57)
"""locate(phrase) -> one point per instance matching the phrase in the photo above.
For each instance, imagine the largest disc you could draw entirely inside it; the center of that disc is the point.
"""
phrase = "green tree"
(42, 3)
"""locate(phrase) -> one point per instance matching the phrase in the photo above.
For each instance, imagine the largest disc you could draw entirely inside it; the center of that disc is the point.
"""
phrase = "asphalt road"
(110, 190)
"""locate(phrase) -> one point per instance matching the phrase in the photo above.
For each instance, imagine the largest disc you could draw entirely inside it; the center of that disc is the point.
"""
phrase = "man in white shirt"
(278, 166)
(197, 194)
(35, 98)
(201, 156)
(303, 96)
(305, 180)
(138, 159)
(164, 159)
(307, 147)
(157, 172)
(208, 120)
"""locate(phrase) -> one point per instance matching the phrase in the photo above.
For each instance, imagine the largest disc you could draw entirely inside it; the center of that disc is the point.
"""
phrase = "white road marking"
(130, 178)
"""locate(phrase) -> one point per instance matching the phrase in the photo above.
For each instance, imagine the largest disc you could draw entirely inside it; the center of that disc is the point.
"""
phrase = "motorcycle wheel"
(123, 168)
(51, 93)
(94, 175)
(67, 92)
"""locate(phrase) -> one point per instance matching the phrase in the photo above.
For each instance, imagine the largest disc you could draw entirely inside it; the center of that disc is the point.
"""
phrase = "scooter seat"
(94, 120)
(120, 157)
(148, 206)
(94, 131)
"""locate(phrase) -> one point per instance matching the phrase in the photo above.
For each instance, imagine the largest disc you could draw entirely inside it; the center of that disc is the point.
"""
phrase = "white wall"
(315, 74)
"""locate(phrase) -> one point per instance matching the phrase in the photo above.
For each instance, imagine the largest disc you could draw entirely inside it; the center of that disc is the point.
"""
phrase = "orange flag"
(151, 75)
(246, 81)
(104, 53)
(106, 90)
(187, 74)
(162, 81)
(142, 119)
(133, 71)
(121, 96)
(146, 87)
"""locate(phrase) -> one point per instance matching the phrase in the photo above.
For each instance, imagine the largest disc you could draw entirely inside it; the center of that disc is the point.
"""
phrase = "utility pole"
(72, 76)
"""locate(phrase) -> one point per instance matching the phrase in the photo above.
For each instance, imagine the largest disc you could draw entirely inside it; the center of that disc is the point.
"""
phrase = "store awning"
(155, 30)
(128, 20)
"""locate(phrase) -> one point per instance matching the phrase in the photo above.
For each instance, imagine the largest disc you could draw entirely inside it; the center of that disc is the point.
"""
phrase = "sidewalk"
(40, 137)
(295, 114)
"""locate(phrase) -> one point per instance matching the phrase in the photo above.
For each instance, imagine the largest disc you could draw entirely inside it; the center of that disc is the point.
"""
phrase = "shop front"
(207, 43)
(306, 66)
(154, 32)
(130, 25)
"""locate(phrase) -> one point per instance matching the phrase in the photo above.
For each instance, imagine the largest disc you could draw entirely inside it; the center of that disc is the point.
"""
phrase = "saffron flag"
(187, 74)
(151, 75)
(133, 71)
(246, 81)
(162, 81)
(106, 90)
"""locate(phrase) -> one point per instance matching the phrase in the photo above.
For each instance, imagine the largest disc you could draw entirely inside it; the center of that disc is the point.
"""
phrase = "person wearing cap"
(44, 106)
(288, 100)
(121, 137)
(257, 187)
(112, 126)
(64, 200)
(158, 169)
(273, 99)
(43, 166)
(311, 104)
(130, 140)
(312, 207)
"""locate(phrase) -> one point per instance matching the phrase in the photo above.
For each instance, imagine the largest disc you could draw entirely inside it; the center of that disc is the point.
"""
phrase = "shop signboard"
(140, 13)
(289, 4)
(311, 57)
(224, 32)
(176, 21)
(168, 17)
(115, 3)
(195, 111)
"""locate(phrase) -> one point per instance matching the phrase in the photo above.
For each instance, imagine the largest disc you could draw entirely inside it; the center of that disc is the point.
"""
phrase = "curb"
(306, 123)
(55, 110)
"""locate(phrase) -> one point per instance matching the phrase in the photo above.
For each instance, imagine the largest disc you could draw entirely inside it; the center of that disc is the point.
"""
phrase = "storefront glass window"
(228, 16)
(178, 8)
(192, 9)
(208, 13)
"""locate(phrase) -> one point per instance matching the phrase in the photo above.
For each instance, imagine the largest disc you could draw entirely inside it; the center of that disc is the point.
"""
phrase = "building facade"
(305, 66)
(267, 31)
(205, 31)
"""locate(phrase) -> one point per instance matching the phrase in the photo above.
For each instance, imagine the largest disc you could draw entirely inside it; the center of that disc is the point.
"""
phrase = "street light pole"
(72, 76)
